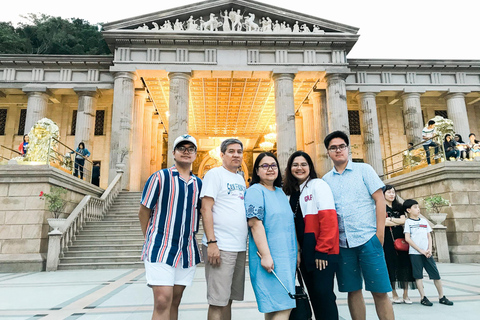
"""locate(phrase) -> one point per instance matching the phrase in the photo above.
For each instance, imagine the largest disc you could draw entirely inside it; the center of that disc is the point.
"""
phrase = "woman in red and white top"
(316, 225)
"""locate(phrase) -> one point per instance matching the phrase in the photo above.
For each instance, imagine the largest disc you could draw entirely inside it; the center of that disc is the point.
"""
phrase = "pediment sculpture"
(231, 21)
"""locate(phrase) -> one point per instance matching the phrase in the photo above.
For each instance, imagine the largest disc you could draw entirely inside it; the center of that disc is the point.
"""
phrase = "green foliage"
(435, 203)
(10, 41)
(44, 34)
(55, 200)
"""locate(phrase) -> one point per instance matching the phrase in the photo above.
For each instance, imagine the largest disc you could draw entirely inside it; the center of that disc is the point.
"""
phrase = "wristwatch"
(211, 241)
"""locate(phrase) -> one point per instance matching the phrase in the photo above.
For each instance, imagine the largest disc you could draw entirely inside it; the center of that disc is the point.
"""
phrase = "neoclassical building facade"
(276, 79)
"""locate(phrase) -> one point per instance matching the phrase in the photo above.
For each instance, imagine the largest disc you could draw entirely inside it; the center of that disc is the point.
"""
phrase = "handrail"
(9, 149)
(391, 165)
(90, 208)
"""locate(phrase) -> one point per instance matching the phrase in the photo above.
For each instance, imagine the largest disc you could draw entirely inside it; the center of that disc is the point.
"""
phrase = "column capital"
(179, 75)
(366, 95)
(453, 95)
(141, 92)
(283, 76)
(318, 93)
(125, 74)
(35, 88)
(407, 95)
(87, 91)
(336, 76)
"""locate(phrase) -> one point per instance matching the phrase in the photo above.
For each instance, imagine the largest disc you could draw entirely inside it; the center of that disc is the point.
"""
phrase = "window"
(99, 122)
(21, 122)
(441, 113)
(3, 121)
(74, 123)
(354, 122)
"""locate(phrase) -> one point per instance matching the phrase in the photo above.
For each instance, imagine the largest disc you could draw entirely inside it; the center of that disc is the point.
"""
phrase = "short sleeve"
(151, 191)
(210, 185)
(429, 229)
(371, 179)
(254, 204)
(406, 227)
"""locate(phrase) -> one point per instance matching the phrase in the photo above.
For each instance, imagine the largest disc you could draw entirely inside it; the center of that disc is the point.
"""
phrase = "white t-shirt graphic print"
(418, 230)
(229, 219)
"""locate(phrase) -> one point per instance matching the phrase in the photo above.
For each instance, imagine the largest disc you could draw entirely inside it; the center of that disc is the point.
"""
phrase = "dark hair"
(407, 204)
(290, 184)
(395, 203)
(447, 135)
(333, 135)
(471, 134)
(81, 144)
(227, 142)
(25, 135)
(459, 138)
(256, 178)
(410, 144)
(184, 143)
(431, 122)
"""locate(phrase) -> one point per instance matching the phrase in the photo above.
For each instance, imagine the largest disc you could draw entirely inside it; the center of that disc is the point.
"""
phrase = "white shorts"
(161, 274)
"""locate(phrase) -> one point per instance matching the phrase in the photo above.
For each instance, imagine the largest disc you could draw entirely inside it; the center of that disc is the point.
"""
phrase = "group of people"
(455, 148)
(317, 228)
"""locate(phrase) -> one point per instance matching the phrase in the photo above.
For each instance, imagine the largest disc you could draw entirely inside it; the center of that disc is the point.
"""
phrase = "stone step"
(118, 222)
(108, 242)
(103, 253)
(110, 237)
(103, 247)
(119, 258)
(109, 265)
(112, 228)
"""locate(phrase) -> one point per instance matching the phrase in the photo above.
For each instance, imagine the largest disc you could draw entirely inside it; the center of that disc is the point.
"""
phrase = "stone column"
(120, 141)
(308, 130)
(153, 144)
(412, 114)
(160, 132)
(36, 107)
(371, 136)
(299, 131)
(457, 112)
(320, 119)
(137, 140)
(285, 117)
(178, 108)
(146, 145)
(85, 129)
(337, 103)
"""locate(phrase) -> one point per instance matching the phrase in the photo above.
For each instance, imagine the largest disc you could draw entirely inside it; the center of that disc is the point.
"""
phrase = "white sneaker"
(407, 301)
(397, 300)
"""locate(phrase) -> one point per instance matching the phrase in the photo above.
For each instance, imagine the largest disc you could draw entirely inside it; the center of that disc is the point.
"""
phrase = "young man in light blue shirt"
(361, 210)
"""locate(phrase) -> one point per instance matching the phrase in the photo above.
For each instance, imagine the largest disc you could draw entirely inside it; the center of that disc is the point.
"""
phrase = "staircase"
(113, 243)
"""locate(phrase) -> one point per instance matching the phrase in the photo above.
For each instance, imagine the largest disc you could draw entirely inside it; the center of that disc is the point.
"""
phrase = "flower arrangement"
(435, 203)
(55, 200)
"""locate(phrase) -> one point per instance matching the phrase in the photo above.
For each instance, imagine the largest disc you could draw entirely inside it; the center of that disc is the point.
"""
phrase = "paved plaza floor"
(122, 294)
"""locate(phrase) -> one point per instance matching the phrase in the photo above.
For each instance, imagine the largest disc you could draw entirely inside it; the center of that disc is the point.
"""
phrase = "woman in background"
(24, 145)
(80, 154)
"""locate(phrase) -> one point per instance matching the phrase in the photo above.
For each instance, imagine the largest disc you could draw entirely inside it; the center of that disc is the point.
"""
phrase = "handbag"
(400, 244)
(303, 310)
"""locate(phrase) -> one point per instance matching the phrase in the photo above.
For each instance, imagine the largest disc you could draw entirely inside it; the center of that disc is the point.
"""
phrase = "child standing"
(417, 234)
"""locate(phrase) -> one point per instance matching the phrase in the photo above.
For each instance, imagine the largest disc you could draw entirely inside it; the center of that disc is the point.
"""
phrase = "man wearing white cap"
(169, 220)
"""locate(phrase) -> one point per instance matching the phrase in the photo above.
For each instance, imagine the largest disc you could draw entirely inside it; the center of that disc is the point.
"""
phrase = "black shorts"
(419, 261)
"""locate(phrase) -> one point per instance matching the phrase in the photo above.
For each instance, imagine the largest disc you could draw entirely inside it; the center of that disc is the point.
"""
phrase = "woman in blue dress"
(272, 234)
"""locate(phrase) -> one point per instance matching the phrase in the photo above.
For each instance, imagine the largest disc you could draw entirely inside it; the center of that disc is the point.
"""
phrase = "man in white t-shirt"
(427, 134)
(225, 226)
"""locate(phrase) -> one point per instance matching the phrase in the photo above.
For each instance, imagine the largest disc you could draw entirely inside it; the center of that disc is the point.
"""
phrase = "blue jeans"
(427, 149)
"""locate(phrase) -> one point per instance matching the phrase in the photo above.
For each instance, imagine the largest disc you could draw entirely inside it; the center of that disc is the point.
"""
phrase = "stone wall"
(23, 215)
(458, 182)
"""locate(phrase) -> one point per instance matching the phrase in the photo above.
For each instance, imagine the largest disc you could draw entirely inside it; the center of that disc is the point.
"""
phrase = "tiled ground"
(122, 294)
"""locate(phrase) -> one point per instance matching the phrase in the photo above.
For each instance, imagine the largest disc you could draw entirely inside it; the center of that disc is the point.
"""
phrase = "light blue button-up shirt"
(352, 191)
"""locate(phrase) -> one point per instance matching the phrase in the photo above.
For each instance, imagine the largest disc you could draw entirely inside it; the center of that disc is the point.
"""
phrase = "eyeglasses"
(189, 149)
(341, 147)
(303, 165)
(266, 166)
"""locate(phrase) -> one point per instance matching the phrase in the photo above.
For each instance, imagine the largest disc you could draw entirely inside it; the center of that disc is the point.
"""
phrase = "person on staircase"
(168, 215)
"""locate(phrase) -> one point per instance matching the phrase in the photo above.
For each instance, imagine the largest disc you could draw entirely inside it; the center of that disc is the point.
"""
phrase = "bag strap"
(300, 278)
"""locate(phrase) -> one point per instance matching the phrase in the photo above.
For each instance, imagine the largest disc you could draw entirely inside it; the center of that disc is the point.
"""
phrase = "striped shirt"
(173, 223)
(352, 191)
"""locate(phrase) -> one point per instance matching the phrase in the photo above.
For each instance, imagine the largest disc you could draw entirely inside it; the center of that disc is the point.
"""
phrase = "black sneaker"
(445, 301)
(427, 302)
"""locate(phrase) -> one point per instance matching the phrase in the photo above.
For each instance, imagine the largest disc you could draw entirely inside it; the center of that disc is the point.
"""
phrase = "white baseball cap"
(185, 137)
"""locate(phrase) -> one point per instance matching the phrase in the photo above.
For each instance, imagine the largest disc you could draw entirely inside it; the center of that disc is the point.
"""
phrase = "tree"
(10, 41)
(44, 34)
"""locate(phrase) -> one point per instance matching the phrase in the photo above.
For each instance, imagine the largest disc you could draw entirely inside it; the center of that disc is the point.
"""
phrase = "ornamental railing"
(7, 153)
(411, 159)
(89, 209)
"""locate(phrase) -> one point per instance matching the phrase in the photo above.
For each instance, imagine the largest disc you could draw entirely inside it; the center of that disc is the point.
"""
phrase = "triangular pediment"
(230, 16)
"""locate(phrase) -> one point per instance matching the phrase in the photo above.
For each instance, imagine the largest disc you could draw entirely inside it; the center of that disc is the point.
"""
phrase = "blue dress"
(273, 208)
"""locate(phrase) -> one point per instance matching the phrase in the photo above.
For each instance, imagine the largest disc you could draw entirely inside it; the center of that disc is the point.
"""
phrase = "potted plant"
(122, 154)
(433, 204)
(56, 204)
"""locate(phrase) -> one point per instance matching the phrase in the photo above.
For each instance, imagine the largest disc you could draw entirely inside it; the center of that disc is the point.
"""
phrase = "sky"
(407, 29)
